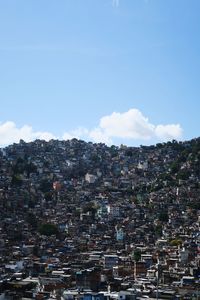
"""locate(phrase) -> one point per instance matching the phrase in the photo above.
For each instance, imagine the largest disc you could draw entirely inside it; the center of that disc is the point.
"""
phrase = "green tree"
(137, 255)
(175, 242)
(48, 196)
(91, 206)
(163, 217)
(16, 180)
(32, 220)
(183, 174)
(174, 167)
(45, 185)
(48, 229)
(158, 230)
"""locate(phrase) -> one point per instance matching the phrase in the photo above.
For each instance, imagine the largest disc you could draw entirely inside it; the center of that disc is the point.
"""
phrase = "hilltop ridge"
(146, 168)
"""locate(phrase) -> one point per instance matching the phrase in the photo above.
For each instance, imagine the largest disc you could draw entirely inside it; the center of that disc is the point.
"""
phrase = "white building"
(90, 178)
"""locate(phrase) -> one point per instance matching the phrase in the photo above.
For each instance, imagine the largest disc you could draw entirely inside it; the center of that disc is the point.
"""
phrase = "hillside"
(85, 210)
(57, 181)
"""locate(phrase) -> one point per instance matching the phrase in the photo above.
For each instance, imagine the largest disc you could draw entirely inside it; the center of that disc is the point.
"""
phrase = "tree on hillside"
(137, 255)
(48, 229)
(45, 185)
(163, 217)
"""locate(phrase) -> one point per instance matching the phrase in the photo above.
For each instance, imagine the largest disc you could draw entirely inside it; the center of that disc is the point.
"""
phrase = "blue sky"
(116, 71)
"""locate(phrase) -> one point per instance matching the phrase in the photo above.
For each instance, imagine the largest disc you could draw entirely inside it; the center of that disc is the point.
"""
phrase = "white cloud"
(67, 136)
(133, 125)
(125, 127)
(9, 133)
(78, 133)
(169, 132)
(98, 136)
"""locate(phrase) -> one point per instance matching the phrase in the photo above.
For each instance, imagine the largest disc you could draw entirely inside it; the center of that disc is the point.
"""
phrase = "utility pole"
(197, 289)
(158, 273)
(157, 280)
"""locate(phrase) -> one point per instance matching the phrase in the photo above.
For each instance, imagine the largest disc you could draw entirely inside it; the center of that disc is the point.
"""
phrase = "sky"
(112, 71)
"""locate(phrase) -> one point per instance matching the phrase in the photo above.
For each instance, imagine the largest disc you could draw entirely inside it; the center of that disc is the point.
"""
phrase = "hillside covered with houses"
(80, 219)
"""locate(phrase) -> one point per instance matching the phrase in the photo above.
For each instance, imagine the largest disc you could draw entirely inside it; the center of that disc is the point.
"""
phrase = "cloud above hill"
(169, 132)
(130, 127)
(133, 125)
(10, 133)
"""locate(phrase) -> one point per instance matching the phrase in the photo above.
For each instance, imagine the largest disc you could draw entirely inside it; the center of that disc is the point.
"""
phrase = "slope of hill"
(57, 181)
